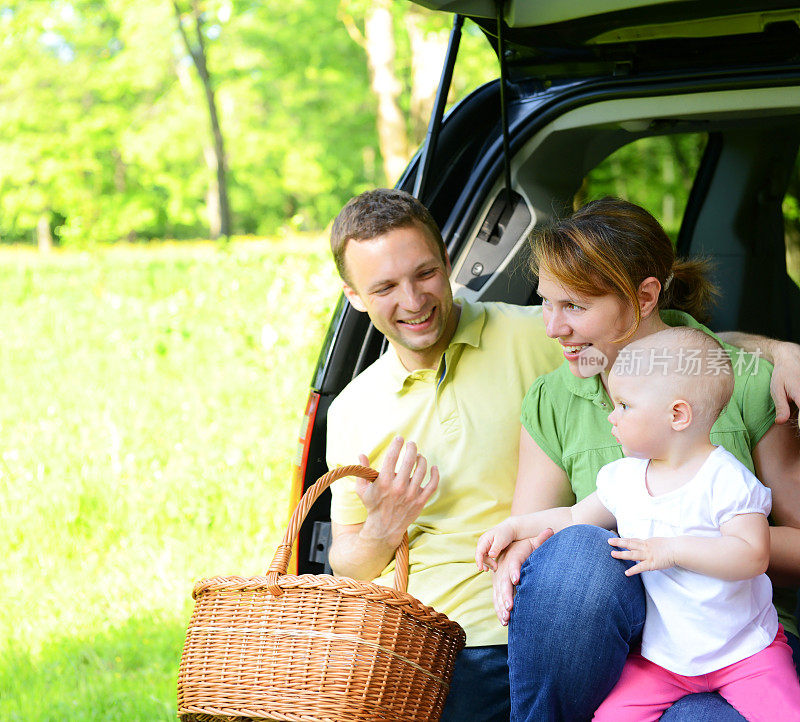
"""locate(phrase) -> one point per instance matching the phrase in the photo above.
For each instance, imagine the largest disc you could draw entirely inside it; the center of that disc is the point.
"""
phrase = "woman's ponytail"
(689, 288)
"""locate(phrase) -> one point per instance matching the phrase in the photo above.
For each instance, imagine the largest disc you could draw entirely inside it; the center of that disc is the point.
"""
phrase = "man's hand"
(785, 357)
(651, 554)
(397, 496)
(507, 574)
(785, 383)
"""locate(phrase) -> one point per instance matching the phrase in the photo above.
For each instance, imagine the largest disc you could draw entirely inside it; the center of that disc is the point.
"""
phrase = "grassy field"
(150, 399)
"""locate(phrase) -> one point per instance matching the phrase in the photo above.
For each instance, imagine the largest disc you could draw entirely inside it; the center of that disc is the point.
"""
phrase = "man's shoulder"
(516, 337)
(501, 312)
(518, 323)
(374, 380)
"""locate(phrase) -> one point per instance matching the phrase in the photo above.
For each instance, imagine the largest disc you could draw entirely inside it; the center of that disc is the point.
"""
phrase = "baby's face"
(641, 418)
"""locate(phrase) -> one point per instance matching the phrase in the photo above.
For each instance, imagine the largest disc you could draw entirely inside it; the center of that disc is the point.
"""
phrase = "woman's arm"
(742, 552)
(785, 356)
(541, 484)
(777, 464)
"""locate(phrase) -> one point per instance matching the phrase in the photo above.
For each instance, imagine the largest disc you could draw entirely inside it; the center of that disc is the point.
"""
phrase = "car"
(704, 96)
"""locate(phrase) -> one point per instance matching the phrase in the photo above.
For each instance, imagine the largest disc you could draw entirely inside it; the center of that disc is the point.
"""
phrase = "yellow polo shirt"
(464, 417)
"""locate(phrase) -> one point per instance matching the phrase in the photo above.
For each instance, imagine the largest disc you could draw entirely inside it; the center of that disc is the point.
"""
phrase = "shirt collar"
(468, 332)
(470, 323)
(671, 317)
(589, 388)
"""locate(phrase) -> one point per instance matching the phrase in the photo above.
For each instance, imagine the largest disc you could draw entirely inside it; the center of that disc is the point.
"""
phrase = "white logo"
(591, 362)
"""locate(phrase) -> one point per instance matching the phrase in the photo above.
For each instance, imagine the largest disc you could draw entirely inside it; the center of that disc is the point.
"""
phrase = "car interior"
(733, 213)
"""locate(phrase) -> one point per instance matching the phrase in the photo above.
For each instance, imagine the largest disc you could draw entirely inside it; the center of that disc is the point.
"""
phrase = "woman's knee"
(574, 572)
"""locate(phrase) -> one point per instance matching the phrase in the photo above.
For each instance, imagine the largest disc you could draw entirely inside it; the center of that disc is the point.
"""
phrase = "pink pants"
(762, 687)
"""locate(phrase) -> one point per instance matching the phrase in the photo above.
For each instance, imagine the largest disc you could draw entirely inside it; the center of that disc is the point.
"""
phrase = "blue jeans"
(479, 690)
(575, 616)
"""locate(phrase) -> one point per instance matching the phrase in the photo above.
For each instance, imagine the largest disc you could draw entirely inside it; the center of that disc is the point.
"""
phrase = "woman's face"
(585, 326)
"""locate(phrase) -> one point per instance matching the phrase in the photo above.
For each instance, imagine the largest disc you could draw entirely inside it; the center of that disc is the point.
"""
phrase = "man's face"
(400, 280)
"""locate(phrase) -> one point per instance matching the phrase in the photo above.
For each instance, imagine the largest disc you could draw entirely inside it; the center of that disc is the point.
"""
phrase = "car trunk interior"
(733, 214)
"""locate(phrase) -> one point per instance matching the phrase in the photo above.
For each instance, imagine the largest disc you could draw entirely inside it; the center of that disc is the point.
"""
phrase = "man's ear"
(681, 415)
(649, 291)
(354, 298)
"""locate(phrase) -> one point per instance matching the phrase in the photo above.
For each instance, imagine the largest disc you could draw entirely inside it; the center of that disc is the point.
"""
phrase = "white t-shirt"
(695, 624)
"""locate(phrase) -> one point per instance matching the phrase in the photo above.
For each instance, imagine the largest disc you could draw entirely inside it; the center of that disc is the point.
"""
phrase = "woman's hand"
(507, 574)
(492, 543)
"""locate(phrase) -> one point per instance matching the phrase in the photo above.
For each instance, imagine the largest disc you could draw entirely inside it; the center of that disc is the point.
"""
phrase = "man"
(452, 381)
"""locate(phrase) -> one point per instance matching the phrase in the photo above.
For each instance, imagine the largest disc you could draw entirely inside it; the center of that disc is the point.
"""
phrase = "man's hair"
(374, 213)
(688, 362)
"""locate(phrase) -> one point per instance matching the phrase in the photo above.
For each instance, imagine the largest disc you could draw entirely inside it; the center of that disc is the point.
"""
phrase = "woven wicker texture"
(315, 648)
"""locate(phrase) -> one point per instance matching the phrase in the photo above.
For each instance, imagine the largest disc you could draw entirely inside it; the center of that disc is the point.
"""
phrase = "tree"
(103, 123)
(219, 212)
(405, 48)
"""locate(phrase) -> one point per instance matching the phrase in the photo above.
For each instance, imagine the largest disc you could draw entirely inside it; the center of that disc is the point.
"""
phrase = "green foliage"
(105, 134)
(298, 114)
(791, 217)
(149, 407)
(657, 173)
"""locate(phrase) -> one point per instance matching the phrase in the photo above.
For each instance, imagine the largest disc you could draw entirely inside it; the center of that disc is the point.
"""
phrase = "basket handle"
(284, 551)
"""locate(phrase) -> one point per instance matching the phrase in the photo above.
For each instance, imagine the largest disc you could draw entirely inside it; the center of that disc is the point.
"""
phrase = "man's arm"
(785, 357)
(393, 501)
(358, 556)
(777, 464)
(742, 552)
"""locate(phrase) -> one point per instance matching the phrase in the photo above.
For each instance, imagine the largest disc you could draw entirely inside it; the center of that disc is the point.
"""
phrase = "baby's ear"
(681, 415)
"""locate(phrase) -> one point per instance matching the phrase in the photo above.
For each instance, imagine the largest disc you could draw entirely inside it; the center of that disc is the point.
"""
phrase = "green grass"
(150, 399)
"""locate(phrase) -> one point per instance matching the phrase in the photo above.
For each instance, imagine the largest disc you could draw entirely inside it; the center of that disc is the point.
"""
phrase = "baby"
(694, 521)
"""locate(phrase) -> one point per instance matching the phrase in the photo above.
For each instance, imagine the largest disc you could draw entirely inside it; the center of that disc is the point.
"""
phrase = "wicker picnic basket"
(315, 648)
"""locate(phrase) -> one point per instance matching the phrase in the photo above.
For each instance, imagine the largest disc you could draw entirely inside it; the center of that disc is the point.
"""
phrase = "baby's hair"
(696, 365)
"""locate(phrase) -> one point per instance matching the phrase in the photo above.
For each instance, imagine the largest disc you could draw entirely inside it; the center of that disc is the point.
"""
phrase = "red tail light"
(300, 463)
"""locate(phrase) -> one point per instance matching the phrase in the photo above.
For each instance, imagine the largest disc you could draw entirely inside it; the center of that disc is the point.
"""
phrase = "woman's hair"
(611, 246)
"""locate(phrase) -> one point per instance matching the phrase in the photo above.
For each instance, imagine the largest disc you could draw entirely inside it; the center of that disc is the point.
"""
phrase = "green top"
(567, 417)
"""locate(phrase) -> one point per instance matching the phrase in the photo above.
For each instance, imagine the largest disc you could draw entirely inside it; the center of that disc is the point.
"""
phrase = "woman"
(606, 276)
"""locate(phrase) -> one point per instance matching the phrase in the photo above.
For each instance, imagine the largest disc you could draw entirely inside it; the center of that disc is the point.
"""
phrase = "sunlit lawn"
(150, 399)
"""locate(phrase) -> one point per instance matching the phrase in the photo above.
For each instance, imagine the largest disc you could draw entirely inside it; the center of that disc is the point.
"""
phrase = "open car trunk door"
(552, 39)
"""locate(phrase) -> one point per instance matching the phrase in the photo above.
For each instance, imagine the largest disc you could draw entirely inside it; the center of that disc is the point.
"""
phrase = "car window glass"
(655, 172)
(791, 224)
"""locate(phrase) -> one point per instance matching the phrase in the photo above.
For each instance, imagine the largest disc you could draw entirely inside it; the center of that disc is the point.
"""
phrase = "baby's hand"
(491, 544)
(651, 554)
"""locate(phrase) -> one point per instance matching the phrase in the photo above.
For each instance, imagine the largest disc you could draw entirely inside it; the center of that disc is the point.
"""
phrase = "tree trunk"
(44, 236)
(380, 48)
(428, 51)
(219, 213)
(213, 208)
